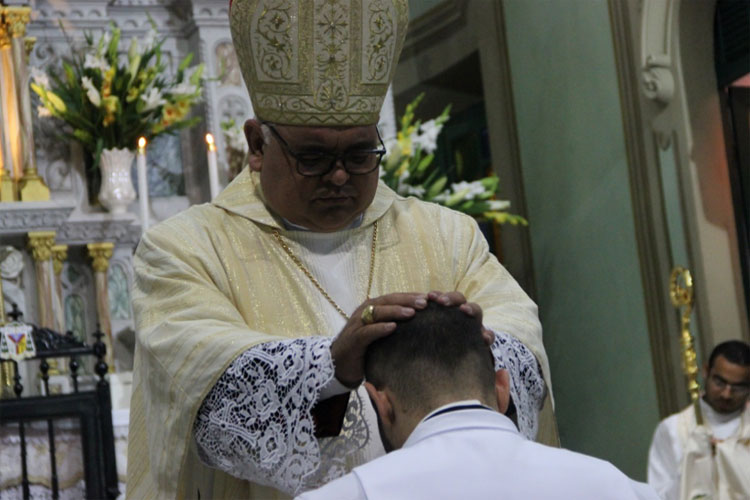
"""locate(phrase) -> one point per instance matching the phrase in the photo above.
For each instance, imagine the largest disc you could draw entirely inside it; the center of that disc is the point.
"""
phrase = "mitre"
(318, 62)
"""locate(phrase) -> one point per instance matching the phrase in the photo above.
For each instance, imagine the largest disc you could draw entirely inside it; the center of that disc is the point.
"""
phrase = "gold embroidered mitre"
(318, 62)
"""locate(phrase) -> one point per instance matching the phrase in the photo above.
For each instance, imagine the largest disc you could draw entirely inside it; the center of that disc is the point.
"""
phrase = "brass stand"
(681, 295)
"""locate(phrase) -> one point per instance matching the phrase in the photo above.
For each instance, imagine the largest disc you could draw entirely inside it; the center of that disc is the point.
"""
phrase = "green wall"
(582, 230)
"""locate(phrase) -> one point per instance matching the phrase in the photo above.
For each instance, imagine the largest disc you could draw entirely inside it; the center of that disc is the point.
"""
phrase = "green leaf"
(436, 188)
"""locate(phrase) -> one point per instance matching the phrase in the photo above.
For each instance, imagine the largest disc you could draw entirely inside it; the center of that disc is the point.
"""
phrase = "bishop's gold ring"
(368, 315)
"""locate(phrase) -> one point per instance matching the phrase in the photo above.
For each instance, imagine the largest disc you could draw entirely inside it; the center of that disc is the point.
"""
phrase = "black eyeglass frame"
(335, 157)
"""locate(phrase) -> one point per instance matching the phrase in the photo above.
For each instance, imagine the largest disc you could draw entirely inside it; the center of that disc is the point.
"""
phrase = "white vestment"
(465, 451)
(682, 464)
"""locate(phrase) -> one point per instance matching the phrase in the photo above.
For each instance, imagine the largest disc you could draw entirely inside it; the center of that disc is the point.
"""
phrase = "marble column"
(59, 255)
(100, 254)
(31, 186)
(40, 244)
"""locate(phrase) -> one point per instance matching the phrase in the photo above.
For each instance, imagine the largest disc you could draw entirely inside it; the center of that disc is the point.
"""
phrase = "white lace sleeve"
(527, 387)
(255, 423)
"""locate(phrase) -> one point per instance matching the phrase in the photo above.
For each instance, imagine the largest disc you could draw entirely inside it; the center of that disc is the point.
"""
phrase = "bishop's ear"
(255, 141)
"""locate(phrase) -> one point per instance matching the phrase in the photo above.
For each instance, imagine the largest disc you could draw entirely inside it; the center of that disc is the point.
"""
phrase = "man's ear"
(502, 390)
(255, 142)
(382, 403)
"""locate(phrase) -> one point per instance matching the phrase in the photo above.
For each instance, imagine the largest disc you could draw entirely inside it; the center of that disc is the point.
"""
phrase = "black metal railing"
(92, 408)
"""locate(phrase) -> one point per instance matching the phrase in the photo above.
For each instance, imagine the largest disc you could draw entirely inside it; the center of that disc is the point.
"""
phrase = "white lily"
(236, 139)
(40, 77)
(184, 88)
(95, 62)
(153, 99)
(499, 204)
(91, 92)
(471, 189)
(426, 139)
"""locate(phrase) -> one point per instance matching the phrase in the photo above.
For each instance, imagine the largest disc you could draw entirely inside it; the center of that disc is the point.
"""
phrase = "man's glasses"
(739, 389)
(316, 163)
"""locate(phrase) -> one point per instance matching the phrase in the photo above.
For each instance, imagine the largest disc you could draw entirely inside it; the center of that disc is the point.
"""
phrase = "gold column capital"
(100, 254)
(16, 19)
(40, 243)
(59, 255)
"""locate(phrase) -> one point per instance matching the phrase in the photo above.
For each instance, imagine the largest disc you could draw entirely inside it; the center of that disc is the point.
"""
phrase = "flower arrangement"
(236, 147)
(109, 100)
(406, 170)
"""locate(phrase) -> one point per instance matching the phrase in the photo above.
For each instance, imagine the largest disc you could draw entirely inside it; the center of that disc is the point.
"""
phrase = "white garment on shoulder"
(666, 451)
(478, 453)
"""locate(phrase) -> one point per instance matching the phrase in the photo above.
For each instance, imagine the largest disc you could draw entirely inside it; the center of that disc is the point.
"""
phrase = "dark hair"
(439, 351)
(735, 351)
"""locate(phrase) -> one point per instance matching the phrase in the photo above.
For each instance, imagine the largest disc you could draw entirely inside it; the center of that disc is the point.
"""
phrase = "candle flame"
(141, 143)
(210, 141)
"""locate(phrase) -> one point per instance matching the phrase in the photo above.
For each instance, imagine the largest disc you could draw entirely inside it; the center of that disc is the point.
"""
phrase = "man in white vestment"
(440, 405)
(689, 459)
(254, 311)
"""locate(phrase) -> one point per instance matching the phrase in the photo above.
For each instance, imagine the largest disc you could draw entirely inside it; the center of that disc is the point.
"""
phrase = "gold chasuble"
(213, 282)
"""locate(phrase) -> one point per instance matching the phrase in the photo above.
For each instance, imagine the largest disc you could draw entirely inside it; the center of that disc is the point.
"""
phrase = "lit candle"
(213, 168)
(142, 183)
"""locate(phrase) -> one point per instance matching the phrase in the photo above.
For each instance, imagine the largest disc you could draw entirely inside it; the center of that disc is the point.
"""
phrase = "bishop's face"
(326, 202)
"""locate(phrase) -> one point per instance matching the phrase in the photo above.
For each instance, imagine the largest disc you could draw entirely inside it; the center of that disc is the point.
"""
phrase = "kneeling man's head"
(437, 357)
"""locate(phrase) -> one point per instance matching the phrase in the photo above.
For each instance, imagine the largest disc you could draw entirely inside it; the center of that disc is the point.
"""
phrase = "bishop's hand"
(379, 319)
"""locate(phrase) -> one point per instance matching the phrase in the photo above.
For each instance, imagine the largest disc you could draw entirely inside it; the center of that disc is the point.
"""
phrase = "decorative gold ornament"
(59, 255)
(28, 45)
(318, 62)
(100, 254)
(681, 295)
(314, 281)
(368, 315)
(4, 33)
(7, 186)
(16, 19)
(40, 243)
(32, 186)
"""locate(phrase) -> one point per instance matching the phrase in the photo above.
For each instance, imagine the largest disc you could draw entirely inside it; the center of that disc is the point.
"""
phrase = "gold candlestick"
(32, 186)
(100, 254)
(681, 295)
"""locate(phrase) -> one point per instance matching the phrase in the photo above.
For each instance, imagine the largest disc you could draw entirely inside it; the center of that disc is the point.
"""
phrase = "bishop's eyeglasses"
(317, 163)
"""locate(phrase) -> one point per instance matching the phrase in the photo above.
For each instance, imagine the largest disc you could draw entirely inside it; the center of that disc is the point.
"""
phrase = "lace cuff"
(255, 423)
(527, 387)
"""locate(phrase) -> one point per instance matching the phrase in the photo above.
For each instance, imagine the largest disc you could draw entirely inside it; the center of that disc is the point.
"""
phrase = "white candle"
(213, 168)
(142, 183)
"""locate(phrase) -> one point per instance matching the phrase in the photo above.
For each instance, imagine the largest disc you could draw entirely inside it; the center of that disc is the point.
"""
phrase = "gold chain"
(302, 267)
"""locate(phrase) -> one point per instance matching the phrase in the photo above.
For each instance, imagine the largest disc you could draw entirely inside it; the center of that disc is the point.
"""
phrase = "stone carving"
(119, 292)
(11, 269)
(75, 316)
(84, 231)
(24, 219)
(227, 65)
(233, 107)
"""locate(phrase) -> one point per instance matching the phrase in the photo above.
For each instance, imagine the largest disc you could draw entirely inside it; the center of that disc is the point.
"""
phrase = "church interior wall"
(581, 227)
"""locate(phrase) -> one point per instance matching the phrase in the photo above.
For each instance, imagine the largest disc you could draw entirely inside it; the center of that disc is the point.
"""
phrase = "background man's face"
(727, 386)
(324, 203)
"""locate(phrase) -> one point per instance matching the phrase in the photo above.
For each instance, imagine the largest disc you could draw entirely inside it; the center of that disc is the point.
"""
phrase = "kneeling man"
(440, 405)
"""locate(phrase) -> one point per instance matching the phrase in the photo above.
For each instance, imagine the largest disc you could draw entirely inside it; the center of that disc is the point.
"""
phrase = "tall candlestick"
(142, 183)
(213, 168)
